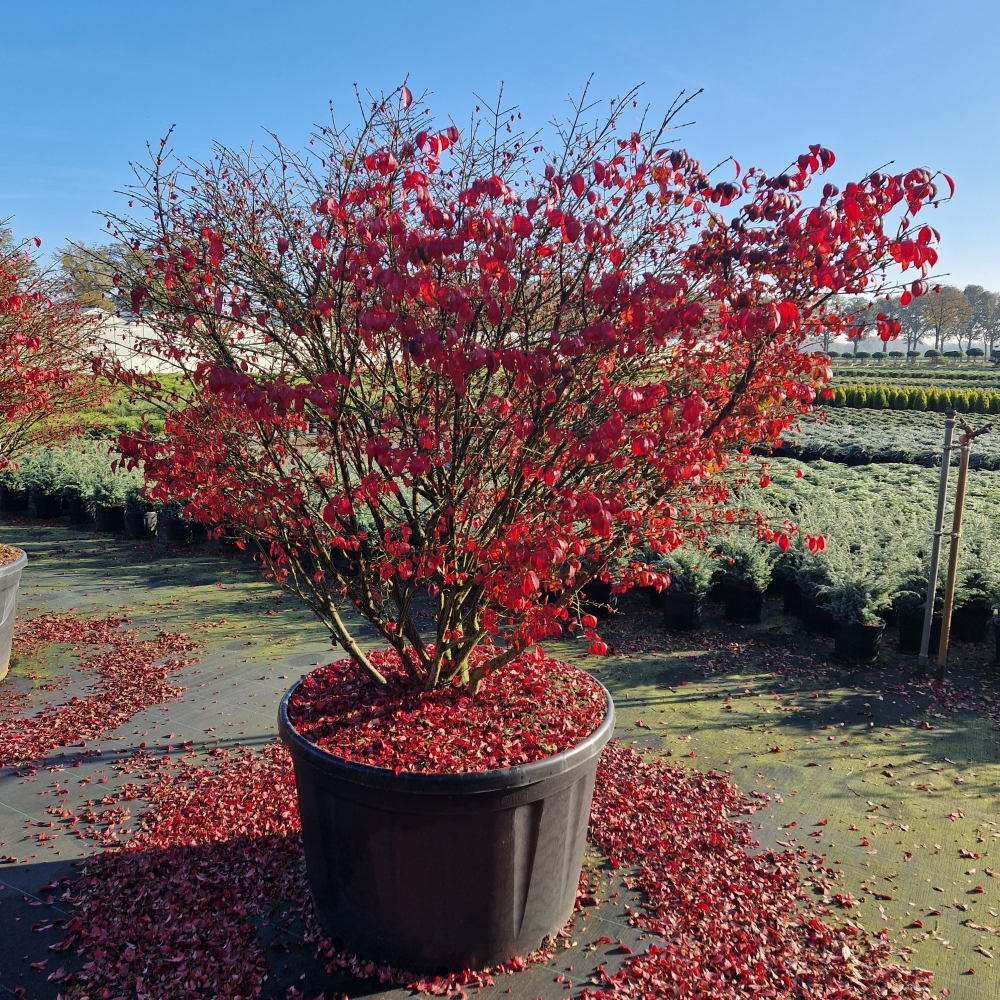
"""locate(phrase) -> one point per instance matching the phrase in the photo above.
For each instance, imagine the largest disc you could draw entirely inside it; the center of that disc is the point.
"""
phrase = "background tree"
(89, 274)
(984, 321)
(947, 312)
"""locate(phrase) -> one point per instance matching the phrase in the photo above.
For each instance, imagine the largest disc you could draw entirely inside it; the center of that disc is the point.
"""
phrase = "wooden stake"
(968, 436)
(925, 638)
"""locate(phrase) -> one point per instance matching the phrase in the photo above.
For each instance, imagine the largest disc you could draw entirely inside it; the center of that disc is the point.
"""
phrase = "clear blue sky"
(87, 84)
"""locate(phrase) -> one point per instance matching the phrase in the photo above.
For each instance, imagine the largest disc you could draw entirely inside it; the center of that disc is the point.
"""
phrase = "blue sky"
(87, 84)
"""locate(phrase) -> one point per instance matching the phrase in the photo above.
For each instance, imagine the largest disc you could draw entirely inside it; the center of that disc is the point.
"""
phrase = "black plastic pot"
(815, 619)
(971, 623)
(682, 611)
(173, 530)
(443, 871)
(80, 511)
(110, 519)
(140, 524)
(742, 604)
(598, 599)
(911, 627)
(47, 505)
(13, 501)
(792, 596)
(856, 643)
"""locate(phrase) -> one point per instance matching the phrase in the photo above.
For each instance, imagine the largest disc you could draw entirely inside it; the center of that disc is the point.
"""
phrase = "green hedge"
(888, 397)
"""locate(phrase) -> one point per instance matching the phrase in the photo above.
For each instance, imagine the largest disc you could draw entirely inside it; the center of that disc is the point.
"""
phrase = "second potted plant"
(745, 565)
(690, 570)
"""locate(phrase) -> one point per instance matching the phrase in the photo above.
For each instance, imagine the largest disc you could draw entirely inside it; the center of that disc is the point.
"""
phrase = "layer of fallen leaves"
(131, 674)
(730, 918)
(534, 707)
(8, 554)
(174, 912)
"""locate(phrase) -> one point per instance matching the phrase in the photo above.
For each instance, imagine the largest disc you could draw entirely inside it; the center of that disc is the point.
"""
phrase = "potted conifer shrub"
(79, 476)
(109, 494)
(140, 515)
(171, 527)
(502, 363)
(857, 601)
(690, 570)
(13, 490)
(43, 473)
(745, 565)
(978, 583)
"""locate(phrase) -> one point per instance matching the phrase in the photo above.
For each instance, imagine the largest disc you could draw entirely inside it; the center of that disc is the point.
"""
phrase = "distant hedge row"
(888, 397)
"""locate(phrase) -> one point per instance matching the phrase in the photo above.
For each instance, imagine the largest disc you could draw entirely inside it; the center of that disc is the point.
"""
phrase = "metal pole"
(925, 638)
(956, 534)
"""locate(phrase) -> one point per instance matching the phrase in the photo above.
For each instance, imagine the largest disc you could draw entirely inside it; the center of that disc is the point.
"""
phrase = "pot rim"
(430, 783)
(9, 569)
(880, 624)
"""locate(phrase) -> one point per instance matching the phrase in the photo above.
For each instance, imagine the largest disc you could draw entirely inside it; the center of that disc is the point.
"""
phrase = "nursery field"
(881, 784)
(859, 436)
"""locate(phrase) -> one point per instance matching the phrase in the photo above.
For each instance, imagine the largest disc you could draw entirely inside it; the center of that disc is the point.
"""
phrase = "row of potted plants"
(850, 589)
(84, 482)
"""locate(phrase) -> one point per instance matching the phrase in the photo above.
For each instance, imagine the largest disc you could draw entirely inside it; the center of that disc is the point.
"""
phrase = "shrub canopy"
(480, 369)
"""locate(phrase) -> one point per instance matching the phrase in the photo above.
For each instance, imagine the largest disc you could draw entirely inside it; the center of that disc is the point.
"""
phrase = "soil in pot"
(681, 611)
(109, 519)
(440, 831)
(80, 511)
(971, 623)
(174, 530)
(12, 561)
(911, 626)
(140, 524)
(13, 501)
(742, 604)
(48, 505)
(815, 619)
(857, 643)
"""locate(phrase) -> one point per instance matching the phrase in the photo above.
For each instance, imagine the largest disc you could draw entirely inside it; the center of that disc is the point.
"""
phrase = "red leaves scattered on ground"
(175, 912)
(531, 709)
(731, 919)
(8, 554)
(132, 675)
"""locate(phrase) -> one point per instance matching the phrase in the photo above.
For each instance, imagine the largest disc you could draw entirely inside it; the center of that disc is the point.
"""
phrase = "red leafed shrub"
(535, 707)
(46, 374)
(427, 363)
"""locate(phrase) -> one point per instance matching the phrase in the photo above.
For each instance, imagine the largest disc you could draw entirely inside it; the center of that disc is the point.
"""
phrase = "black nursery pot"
(110, 519)
(971, 623)
(598, 599)
(856, 643)
(815, 619)
(140, 524)
(13, 501)
(431, 872)
(682, 611)
(47, 505)
(80, 511)
(792, 596)
(911, 626)
(174, 530)
(742, 604)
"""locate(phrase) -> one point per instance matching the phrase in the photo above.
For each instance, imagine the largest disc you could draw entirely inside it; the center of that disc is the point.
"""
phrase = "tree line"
(969, 317)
